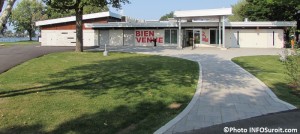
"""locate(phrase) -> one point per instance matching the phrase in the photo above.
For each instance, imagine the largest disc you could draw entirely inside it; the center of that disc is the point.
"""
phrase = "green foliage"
(87, 93)
(270, 10)
(237, 11)
(166, 16)
(71, 4)
(53, 13)
(25, 15)
(292, 65)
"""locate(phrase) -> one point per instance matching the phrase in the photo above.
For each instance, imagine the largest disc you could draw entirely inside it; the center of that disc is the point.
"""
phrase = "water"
(16, 39)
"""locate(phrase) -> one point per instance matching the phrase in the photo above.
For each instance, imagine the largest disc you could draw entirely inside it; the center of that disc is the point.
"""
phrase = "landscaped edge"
(268, 90)
(171, 123)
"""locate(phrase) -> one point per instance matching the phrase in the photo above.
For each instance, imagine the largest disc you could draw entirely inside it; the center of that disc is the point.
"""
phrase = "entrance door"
(192, 37)
(189, 38)
(197, 38)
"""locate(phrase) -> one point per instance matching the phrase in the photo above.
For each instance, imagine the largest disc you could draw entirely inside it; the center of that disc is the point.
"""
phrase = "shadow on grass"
(138, 119)
(129, 79)
(132, 75)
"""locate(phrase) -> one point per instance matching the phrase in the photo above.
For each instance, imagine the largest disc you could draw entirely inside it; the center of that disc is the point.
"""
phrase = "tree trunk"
(1, 5)
(30, 35)
(79, 33)
(5, 14)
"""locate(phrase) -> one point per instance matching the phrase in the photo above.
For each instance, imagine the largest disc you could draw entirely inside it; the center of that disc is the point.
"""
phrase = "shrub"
(292, 65)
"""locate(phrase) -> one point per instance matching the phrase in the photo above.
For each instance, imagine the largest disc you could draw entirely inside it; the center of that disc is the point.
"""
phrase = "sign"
(145, 37)
(204, 38)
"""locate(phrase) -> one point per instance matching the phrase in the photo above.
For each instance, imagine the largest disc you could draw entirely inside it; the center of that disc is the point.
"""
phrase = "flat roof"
(203, 13)
(263, 24)
(189, 24)
(127, 25)
(73, 18)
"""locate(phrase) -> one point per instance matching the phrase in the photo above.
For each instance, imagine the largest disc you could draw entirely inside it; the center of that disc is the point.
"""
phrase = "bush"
(292, 65)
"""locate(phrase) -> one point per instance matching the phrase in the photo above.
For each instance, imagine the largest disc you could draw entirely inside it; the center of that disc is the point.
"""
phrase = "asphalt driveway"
(15, 55)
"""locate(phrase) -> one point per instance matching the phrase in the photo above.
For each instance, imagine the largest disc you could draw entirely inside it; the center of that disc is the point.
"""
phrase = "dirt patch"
(174, 105)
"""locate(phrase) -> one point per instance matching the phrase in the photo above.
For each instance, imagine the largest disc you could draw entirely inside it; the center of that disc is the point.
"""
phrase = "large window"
(170, 36)
(214, 36)
(167, 36)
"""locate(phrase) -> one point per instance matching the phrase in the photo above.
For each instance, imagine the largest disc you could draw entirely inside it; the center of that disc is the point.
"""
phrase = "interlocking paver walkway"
(227, 92)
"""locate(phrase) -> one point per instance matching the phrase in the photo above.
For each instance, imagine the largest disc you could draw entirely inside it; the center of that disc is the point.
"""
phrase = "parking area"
(17, 54)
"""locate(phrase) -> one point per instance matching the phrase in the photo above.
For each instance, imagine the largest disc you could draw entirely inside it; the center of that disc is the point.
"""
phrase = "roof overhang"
(73, 18)
(131, 25)
(203, 13)
(189, 24)
(263, 24)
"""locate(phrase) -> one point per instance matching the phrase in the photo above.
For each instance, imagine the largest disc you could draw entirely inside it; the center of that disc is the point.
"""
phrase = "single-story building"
(199, 28)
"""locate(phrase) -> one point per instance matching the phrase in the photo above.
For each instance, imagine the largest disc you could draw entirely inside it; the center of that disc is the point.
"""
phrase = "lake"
(15, 39)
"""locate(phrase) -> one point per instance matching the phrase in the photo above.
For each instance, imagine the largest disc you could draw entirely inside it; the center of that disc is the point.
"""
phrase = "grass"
(88, 93)
(19, 43)
(271, 71)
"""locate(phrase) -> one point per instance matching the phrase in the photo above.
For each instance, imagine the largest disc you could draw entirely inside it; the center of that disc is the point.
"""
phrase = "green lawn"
(19, 43)
(88, 93)
(271, 71)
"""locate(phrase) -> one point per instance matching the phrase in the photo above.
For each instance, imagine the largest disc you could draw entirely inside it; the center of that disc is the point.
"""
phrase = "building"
(198, 28)
(62, 31)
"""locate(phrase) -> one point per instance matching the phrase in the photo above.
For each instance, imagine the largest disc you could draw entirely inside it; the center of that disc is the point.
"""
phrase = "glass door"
(197, 38)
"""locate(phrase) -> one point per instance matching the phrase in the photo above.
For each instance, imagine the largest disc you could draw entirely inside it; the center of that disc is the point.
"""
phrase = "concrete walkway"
(225, 93)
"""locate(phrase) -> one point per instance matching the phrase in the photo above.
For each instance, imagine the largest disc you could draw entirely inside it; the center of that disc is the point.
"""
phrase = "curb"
(173, 122)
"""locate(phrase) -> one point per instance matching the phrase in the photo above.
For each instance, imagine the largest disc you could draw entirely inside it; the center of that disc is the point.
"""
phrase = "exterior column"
(223, 28)
(220, 32)
(179, 34)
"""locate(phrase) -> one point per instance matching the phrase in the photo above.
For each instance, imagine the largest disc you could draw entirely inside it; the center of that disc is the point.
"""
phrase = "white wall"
(116, 37)
(129, 38)
(103, 37)
(67, 38)
(254, 38)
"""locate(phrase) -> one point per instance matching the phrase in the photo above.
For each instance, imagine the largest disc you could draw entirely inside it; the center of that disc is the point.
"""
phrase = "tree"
(6, 13)
(237, 11)
(78, 6)
(270, 10)
(1, 5)
(53, 13)
(166, 16)
(25, 15)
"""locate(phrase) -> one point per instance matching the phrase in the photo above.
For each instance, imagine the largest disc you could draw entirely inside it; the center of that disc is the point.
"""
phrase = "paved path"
(15, 55)
(226, 93)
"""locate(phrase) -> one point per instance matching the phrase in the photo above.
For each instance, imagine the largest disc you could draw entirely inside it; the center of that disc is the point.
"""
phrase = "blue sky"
(154, 9)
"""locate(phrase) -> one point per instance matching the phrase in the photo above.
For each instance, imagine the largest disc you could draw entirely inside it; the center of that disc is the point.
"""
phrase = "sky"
(154, 9)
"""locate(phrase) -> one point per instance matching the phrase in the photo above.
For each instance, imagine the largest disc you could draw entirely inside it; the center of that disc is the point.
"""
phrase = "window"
(170, 36)
(167, 37)
(273, 38)
(213, 36)
(238, 37)
(174, 36)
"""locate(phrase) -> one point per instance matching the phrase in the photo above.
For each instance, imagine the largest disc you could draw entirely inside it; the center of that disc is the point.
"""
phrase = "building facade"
(197, 28)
